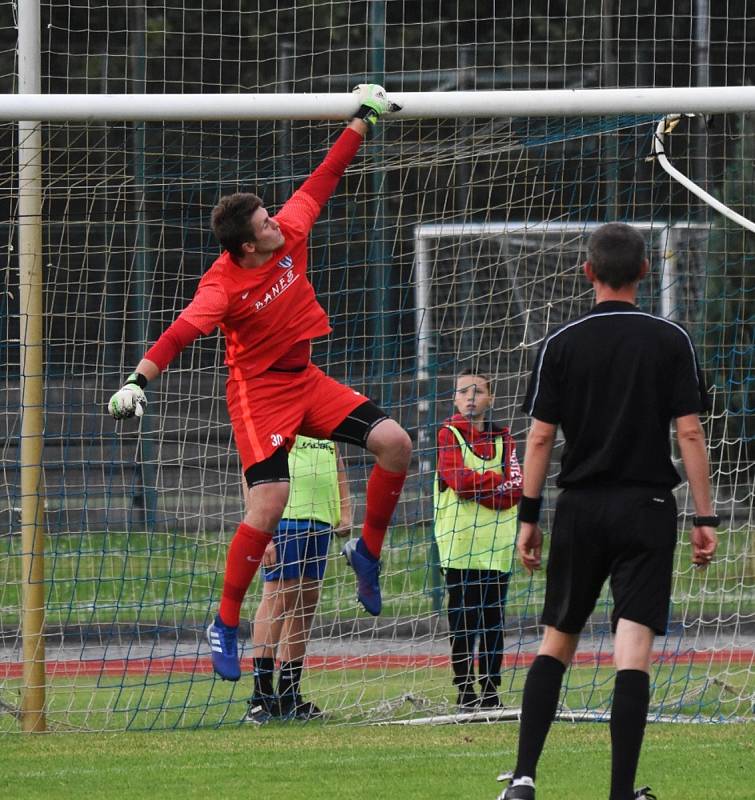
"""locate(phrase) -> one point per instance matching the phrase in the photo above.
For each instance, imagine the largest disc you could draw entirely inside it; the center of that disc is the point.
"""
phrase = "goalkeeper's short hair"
(231, 221)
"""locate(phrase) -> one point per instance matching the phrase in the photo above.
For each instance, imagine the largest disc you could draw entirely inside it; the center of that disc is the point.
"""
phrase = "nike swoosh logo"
(245, 295)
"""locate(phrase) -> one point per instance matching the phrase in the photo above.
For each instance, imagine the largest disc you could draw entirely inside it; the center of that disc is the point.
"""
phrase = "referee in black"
(613, 379)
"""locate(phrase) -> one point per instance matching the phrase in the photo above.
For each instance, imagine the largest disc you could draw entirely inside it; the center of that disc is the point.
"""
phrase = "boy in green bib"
(319, 504)
(477, 487)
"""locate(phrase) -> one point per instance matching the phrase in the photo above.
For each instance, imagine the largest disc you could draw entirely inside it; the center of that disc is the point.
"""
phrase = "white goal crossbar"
(415, 105)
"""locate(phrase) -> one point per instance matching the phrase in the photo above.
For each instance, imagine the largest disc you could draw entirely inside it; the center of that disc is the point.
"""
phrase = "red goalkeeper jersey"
(264, 311)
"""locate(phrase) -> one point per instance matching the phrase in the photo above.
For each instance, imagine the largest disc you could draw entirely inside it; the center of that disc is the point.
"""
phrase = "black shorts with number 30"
(627, 534)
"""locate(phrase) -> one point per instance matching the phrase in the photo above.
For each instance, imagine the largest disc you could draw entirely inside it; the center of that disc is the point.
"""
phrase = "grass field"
(310, 762)
(170, 579)
(137, 702)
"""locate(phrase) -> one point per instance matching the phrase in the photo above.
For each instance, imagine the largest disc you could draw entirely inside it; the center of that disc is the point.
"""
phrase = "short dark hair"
(231, 221)
(477, 374)
(616, 252)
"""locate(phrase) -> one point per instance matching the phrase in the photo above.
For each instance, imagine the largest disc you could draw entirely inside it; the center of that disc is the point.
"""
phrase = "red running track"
(164, 665)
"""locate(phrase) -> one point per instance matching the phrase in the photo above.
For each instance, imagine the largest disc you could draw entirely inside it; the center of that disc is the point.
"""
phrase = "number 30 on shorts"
(276, 439)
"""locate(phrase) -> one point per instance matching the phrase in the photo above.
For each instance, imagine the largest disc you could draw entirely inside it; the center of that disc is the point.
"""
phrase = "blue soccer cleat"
(367, 570)
(223, 640)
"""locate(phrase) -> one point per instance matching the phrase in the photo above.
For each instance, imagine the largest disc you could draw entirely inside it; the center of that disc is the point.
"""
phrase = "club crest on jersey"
(286, 262)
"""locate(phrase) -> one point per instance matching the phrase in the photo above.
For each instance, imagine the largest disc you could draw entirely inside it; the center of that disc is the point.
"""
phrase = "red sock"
(244, 556)
(383, 491)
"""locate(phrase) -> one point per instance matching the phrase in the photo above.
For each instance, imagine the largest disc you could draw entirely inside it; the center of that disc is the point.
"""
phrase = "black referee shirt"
(613, 380)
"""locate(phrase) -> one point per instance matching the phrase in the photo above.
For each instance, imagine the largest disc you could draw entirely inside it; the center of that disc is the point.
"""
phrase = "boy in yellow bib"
(319, 504)
(477, 487)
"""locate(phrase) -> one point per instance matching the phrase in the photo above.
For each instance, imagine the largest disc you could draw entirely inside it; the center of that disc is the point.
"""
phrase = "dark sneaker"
(262, 710)
(524, 790)
(644, 794)
(467, 701)
(223, 641)
(489, 701)
(300, 709)
(367, 570)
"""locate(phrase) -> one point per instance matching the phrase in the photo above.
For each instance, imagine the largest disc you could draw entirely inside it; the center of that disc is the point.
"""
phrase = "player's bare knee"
(289, 599)
(404, 447)
(265, 504)
(633, 644)
(391, 445)
(309, 599)
(559, 645)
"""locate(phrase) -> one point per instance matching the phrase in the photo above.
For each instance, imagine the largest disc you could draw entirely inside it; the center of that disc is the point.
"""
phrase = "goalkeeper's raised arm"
(305, 205)
(236, 293)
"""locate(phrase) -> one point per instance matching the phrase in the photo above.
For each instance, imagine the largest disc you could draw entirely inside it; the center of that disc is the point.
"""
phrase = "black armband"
(529, 509)
(712, 521)
(138, 379)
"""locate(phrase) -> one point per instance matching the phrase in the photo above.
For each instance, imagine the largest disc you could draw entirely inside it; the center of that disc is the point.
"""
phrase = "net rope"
(487, 220)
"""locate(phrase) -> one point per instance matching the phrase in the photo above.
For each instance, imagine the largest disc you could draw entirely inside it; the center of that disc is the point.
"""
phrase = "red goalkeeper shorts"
(269, 410)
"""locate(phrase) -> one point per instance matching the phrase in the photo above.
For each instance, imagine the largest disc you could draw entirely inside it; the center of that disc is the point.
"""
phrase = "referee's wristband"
(529, 509)
(712, 521)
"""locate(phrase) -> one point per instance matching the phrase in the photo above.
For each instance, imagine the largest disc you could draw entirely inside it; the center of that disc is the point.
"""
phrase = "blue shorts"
(301, 547)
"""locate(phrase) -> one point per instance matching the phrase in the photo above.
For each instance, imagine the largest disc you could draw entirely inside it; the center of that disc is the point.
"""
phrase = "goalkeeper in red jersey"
(257, 292)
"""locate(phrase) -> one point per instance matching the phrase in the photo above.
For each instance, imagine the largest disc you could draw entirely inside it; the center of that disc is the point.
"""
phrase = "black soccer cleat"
(467, 701)
(489, 701)
(644, 794)
(299, 709)
(262, 710)
(522, 791)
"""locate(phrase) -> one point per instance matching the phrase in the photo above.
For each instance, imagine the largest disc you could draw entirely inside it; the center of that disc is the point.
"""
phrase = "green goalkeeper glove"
(130, 399)
(373, 102)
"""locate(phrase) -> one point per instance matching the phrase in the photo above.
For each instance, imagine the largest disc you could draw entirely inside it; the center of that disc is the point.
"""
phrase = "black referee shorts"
(627, 534)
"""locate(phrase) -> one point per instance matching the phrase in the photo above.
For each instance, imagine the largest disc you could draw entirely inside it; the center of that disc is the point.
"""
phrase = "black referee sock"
(539, 702)
(289, 680)
(263, 677)
(629, 712)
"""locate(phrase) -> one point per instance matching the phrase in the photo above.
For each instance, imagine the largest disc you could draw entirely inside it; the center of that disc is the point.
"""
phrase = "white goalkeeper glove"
(130, 399)
(374, 102)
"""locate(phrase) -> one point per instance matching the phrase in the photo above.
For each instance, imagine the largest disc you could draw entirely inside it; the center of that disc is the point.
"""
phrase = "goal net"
(451, 243)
